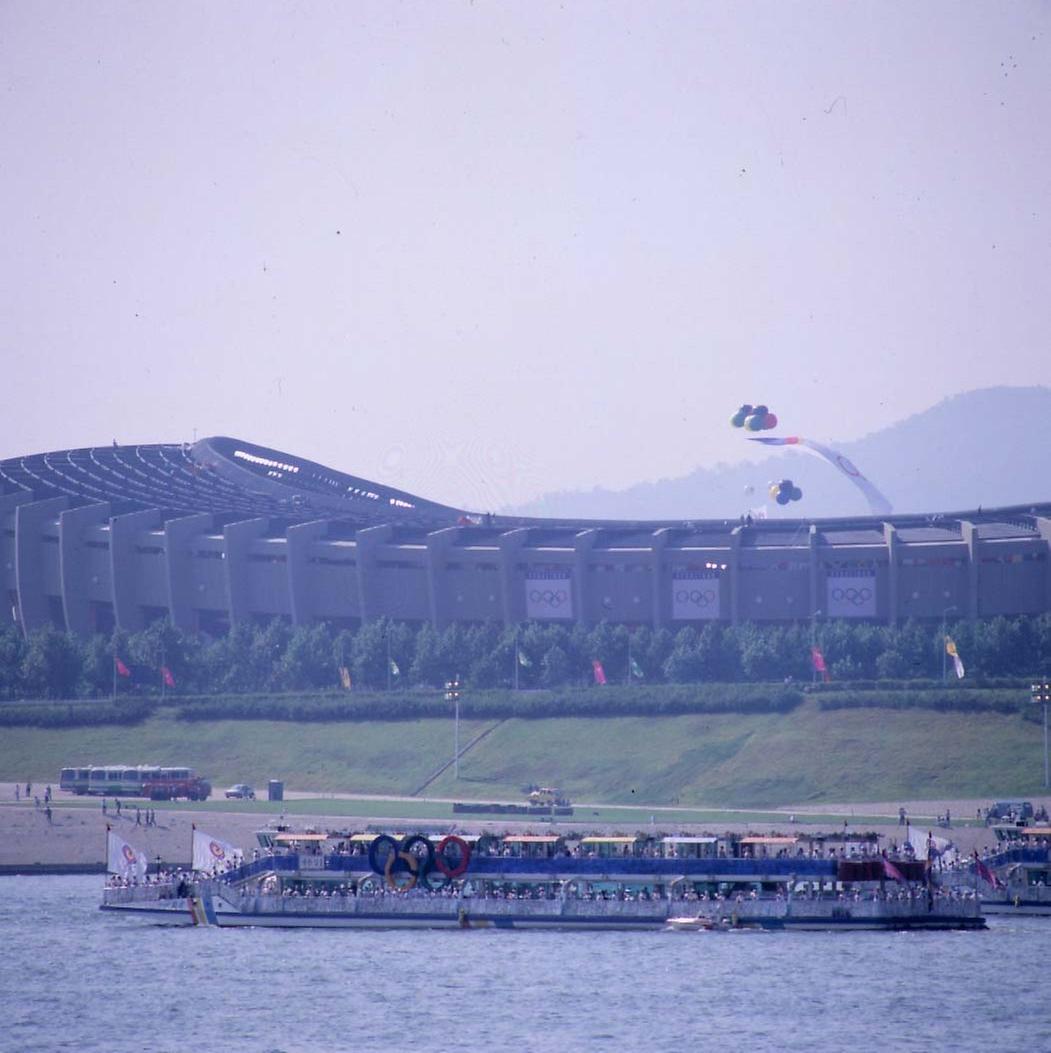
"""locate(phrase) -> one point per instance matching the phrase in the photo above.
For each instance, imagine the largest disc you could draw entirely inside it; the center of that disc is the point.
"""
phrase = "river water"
(74, 978)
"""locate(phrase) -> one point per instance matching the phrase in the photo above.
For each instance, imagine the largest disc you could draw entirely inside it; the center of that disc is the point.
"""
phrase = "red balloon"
(769, 421)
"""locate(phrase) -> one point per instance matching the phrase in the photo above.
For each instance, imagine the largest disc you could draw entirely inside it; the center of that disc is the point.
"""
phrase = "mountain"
(983, 448)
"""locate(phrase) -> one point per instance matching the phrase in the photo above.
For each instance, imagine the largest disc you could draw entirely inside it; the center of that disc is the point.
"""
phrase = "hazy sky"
(482, 251)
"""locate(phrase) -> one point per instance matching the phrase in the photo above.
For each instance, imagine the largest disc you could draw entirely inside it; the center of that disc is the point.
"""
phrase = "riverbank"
(75, 837)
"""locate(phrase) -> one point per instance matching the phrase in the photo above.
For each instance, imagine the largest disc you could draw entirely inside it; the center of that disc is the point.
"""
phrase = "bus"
(143, 780)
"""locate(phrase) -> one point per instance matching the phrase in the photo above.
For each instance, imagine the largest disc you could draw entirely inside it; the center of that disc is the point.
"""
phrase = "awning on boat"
(684, 840)
(608, 840)
(534, 839)
(769, 840)
(287, 838)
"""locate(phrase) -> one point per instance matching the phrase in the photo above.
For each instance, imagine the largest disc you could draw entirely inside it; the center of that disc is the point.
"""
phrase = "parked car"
(241, 791)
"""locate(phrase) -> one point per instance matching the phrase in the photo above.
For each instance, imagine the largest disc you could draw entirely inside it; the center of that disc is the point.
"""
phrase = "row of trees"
(276, 657)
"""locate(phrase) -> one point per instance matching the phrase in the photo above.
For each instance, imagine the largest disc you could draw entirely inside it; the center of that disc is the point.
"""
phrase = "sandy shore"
(77, 833)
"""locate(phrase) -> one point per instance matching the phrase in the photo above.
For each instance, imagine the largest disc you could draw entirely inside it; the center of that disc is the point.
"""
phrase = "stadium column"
(8, 583)
(969, 533)
(298, 539)
(511, 545)
(438, 544)
(658, 545)
(237, 544)
(178, 534)
(30, 517)
(815, 571)
(368, 543)
(1043, 528)
(736, 537)
(123, 531)
(583, 543)
(890, 538)
(73, 566)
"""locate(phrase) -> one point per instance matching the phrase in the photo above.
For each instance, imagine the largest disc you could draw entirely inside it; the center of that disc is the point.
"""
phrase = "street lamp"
(1041, 692)
(945, 670)
(452, 694)
(813, 644)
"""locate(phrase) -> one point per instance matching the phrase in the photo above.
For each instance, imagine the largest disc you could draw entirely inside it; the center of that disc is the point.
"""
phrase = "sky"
(482, 251)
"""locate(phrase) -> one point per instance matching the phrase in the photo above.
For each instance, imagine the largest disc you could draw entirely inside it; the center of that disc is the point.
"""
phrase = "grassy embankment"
(807, 755)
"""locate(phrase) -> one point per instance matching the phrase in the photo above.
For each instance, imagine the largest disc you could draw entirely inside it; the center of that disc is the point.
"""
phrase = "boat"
(369, 879)
(1016, 877)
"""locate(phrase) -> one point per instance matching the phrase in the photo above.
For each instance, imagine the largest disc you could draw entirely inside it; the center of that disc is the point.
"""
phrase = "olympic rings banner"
(851, 596)
(695, 598)
(549, 594)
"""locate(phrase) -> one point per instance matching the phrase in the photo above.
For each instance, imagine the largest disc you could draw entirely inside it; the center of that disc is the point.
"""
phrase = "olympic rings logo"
(695, 597)
(549, 597)
(413, 859)
(129, 854)
(216, 849)
(857, 597)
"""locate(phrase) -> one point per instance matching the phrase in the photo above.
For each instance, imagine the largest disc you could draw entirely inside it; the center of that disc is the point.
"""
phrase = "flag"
(818, 661)
(600, 673)
(636, 670)
(985, 873)
(122, 669)
(122, 859)
(394, 670)
(166, 676)
(957, 662)
(523, 659)
(210, 852)
(891, 871)
(344, 677)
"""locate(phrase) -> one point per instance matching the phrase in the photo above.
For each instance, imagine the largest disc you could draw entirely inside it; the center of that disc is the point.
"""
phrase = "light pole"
(452, 694)
(945, 670)
(1041, 692)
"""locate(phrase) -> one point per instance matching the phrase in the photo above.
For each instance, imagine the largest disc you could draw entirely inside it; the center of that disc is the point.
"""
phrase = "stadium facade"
(224, 531)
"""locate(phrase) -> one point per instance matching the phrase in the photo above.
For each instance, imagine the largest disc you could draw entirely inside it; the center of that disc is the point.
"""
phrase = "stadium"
(221, 531)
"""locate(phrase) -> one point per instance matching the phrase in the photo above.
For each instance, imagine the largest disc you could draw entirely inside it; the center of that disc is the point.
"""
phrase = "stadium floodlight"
(1040, 692)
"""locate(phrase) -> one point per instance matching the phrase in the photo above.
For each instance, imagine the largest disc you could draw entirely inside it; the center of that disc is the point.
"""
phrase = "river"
(74, 978)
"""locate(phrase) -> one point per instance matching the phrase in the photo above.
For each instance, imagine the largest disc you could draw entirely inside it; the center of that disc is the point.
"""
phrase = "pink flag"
(122, 669)
(166, 676)
(600, 673)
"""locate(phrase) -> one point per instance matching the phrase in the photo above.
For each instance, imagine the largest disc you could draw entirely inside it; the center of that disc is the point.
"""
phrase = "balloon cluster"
(784, 491)
(754, 418)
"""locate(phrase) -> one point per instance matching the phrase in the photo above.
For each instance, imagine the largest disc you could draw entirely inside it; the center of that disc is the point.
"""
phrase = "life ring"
(381, 849)
(422, 849)
(399, 863)
(441, 857)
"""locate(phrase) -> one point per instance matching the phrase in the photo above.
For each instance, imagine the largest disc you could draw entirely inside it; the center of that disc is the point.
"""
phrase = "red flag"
(818, 660)
(166, 676)
(891, 871)
(985, 873)
(122, 669)
(600, 673)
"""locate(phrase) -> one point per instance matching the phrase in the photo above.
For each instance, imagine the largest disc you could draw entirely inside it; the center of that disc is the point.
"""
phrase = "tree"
(51, 664)
(554, 667)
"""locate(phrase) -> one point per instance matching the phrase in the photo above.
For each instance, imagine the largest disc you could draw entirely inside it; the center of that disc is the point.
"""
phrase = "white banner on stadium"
(694, 598)
(851, 596)
(549, 595)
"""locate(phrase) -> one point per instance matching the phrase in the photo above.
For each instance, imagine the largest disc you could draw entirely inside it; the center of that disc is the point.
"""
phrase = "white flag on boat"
(122, 859)
(210, 852)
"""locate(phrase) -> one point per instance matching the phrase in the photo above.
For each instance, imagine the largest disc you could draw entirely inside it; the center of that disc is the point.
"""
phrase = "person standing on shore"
(103, 805)
(18, 792)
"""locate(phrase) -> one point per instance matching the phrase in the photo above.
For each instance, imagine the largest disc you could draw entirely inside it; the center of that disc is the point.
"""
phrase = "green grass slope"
(751, 760)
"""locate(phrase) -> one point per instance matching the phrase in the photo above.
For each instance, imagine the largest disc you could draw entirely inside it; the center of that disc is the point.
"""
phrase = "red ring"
(465, 856)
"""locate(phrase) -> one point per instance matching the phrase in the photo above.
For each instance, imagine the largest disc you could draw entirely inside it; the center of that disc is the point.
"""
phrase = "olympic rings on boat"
(380, 850)
(453, 856)
(398, 863)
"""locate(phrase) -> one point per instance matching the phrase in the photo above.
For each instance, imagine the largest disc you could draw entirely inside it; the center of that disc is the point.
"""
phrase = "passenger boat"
(627, 882)
(1016, 878)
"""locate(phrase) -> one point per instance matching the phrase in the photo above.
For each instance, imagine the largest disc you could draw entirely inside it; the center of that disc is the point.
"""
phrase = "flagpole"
(629, 657)
(388, 657)
(517, 657)
(114, 676)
